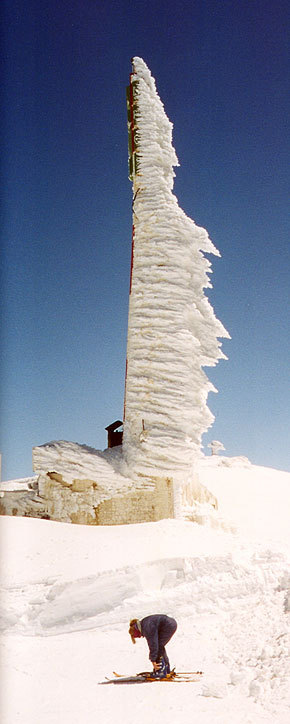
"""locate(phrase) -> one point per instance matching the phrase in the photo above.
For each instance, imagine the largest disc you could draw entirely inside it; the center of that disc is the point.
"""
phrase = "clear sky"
(222, 72)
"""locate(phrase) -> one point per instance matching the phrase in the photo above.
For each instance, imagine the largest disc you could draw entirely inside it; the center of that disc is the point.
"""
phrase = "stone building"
(74, 483)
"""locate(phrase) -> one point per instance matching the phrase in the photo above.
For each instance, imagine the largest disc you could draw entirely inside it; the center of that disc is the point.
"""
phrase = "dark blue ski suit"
(158, 630)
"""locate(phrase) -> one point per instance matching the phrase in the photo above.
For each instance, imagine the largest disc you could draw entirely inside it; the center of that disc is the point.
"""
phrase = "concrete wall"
(22, 503)
(139, 506)
(87, 503)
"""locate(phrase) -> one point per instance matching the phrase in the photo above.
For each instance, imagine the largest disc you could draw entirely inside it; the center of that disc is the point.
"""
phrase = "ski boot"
(162, 672)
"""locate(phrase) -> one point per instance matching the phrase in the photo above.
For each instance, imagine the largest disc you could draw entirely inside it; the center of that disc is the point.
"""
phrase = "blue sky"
(222, 73)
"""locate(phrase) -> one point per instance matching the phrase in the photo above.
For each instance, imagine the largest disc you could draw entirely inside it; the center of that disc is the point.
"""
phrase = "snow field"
(68, 593)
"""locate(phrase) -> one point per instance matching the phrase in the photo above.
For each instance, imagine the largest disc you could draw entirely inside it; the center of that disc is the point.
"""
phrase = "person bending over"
(157, 629)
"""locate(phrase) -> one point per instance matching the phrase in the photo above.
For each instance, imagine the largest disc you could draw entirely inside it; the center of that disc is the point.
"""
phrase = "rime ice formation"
(81, 462)
(172, 329)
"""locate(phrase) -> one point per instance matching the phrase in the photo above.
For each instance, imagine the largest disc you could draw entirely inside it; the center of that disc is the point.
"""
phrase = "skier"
(157, 630)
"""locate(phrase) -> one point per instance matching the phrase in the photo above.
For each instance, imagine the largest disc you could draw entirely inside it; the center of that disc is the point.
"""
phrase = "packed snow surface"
(172, 330)
(69, 591)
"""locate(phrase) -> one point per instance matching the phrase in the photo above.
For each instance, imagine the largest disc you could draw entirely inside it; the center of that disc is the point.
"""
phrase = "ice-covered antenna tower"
(172, 329)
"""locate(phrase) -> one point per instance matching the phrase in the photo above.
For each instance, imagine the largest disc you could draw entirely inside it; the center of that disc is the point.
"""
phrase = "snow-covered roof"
(18, 484)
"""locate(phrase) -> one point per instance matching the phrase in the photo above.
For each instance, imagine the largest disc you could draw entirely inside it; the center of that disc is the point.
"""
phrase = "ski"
(146, 677)
(172, 674)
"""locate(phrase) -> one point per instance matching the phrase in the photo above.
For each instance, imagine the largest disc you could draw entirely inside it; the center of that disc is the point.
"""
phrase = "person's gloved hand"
(156, 665)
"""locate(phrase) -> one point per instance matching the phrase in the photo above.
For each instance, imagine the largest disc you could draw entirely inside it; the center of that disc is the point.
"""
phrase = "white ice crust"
(172, 331)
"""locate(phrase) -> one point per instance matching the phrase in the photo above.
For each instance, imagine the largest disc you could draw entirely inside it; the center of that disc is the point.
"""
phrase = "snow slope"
(69, 591)
(253, 498)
